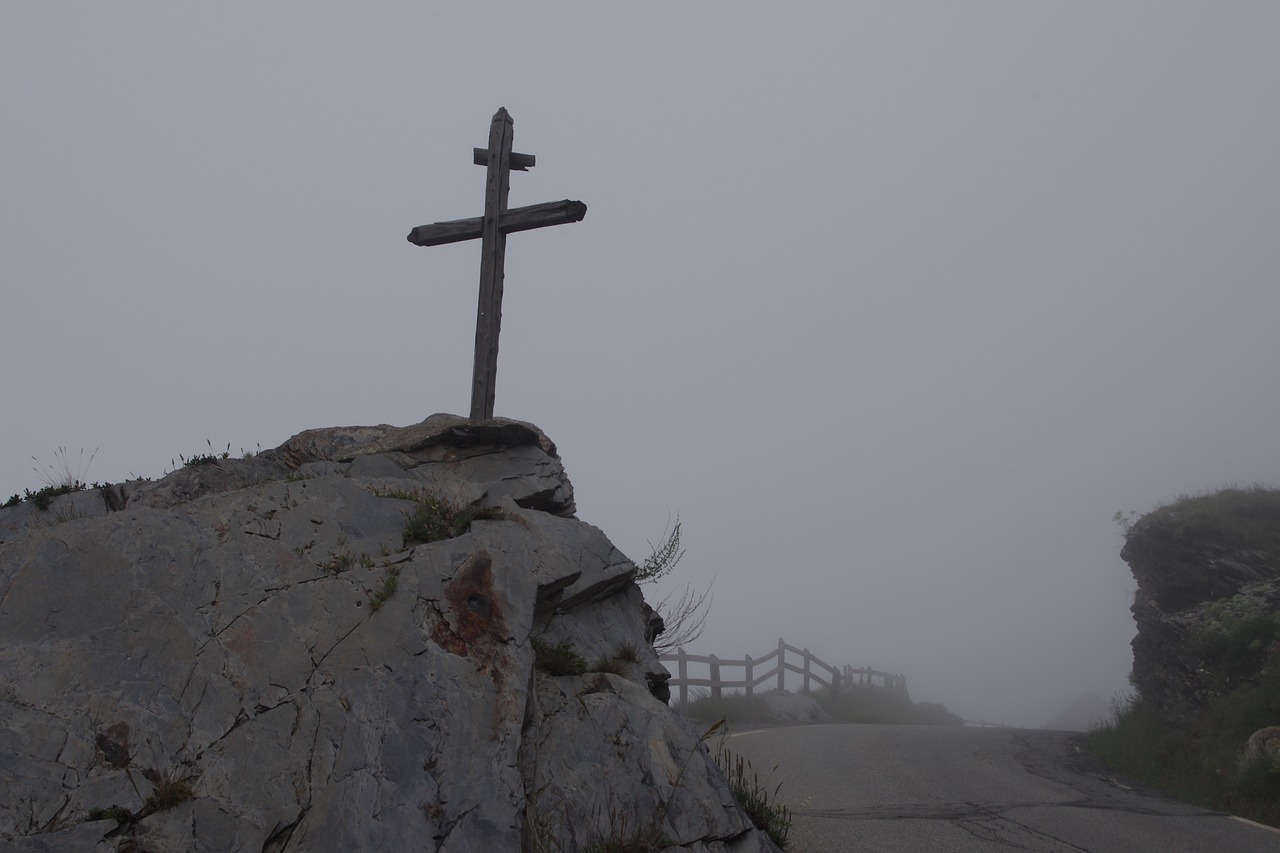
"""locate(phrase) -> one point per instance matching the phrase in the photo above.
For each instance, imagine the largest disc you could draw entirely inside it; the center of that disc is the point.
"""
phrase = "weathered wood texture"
(492, 230)
(493, 244)
(810, 668)
(515, 219)
(519, 162)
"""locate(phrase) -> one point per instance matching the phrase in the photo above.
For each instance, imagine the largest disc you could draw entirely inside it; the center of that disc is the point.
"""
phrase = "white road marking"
(1255, 823)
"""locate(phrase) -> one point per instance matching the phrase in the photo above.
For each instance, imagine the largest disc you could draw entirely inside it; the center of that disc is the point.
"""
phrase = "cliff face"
(1208, 573)
(254, 655)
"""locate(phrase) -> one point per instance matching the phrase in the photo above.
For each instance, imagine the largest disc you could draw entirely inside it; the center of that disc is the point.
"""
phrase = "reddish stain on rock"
(473, 625)
(113, 744)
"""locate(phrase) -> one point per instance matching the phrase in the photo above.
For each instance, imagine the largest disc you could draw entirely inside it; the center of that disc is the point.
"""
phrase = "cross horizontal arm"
(519, 162)
(515, 219)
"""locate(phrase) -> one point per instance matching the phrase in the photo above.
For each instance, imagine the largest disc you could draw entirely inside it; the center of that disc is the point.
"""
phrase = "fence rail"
(810, 668)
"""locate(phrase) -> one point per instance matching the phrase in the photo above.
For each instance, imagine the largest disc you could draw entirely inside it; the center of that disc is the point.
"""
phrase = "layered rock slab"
(260, 631)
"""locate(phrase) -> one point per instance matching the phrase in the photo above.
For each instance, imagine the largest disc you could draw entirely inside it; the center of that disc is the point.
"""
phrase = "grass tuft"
(755, 797)
(623, 839)
(614, 666)
(557, 658)
(434, 519)
(342, 560)
(627, 651)
(209, 458)
(168, 794)
(59, 478)
(390, 582)
(117, 813)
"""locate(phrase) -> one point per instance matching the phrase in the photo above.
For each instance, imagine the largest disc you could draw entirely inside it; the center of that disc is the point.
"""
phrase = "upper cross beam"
(519, 162)
(492, 229)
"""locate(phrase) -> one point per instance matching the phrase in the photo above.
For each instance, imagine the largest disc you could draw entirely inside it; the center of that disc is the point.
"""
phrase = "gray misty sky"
(895, 304)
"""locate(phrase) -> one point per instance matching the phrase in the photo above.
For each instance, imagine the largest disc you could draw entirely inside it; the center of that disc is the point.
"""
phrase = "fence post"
(782, 663)
(750, 677)
(684, 678)
(807, 660)
(715, 677)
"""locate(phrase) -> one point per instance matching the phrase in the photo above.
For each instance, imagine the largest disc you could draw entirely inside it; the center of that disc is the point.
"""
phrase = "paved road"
(941, 789)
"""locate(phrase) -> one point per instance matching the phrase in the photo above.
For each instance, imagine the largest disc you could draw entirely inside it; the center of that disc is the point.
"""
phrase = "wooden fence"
(755, 672)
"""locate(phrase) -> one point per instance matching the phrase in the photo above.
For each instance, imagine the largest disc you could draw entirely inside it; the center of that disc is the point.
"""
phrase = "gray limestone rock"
(249, 655)
(787, 707)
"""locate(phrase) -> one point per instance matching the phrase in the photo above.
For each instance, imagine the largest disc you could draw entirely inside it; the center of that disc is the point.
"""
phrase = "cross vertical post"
(492, 229)
(493, 247)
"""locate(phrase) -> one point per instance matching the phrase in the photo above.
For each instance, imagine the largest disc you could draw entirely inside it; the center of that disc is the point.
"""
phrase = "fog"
(893, 305)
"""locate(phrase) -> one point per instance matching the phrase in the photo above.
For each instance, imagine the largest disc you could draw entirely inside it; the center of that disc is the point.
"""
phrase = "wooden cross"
(492, 229)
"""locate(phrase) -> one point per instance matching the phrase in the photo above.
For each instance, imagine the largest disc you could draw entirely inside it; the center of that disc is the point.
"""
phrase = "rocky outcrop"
(251, 655)
(1207, 599)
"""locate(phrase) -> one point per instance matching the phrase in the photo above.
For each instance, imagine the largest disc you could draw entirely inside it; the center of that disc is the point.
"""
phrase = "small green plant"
(663, 559)
(117, 813)
(683, 613)
(167, 793)
(628, 652)
(755, 797)
(1126, 519)
(613, 666)
(557, 658)
(210, 458)
(434, 518)
(62, 516)
(623, 838)
(13, 501)
(342, 560)
(44, 496)
(60, 478)
(390, 581)
(339, 562)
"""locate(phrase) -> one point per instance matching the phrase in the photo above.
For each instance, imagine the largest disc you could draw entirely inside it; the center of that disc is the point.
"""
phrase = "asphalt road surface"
(941, 789)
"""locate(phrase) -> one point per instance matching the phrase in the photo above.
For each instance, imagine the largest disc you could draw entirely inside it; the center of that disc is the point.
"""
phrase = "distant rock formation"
(783, 706)
(255, 655)
(1208, 573)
